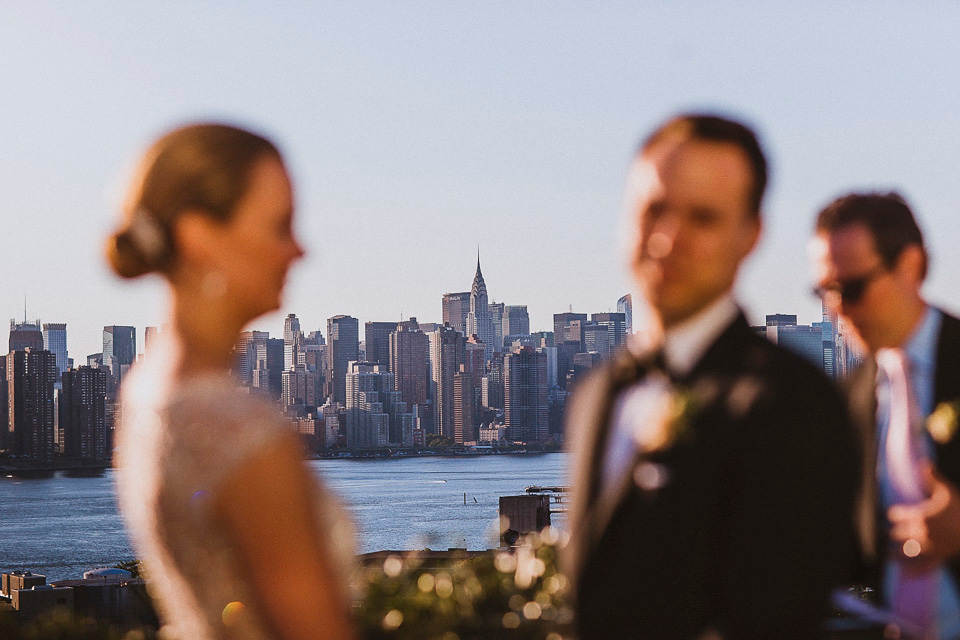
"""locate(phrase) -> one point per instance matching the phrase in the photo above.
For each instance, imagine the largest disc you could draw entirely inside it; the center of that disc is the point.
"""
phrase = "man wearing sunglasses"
(871, 264)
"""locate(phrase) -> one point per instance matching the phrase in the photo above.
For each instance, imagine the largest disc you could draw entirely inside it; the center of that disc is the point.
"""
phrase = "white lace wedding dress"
(176, 444)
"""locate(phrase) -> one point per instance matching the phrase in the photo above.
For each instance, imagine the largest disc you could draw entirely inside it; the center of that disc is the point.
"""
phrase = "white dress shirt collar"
(684, 344)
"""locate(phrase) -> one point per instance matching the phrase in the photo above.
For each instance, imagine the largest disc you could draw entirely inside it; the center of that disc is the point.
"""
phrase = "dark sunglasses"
(850, 290)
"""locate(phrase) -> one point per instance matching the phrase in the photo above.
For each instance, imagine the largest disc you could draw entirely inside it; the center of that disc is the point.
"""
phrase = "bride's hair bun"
(142, 246)
(202, 168)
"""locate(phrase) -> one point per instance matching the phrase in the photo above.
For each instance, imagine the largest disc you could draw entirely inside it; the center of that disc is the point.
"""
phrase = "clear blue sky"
(417, 131)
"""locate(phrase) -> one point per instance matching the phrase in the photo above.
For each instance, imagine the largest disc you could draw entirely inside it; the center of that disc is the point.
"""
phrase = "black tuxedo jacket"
(871, 521)
(753, 524)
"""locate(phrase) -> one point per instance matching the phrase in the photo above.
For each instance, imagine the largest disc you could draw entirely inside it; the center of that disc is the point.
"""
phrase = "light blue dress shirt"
(921, 353)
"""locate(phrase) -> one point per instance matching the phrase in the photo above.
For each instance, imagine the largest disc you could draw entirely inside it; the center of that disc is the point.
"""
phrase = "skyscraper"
(25, 335)
(616, 324)
(119, 349)
(596, 339)
(299, 389)
(525, 395)
(464, 406)
(497, 309)
(409, 362)
(82, 408)
(245, 360)
(266, 356)
(31, 374)
(479, 320)
(516, 321)
(456, 306)
(343, 346)
(375, 414)
(291, 330)
(568, 339)
(376, 335)
(467, 384)
(566, 327)
(448, 355)
(625, 306)
(55, 341)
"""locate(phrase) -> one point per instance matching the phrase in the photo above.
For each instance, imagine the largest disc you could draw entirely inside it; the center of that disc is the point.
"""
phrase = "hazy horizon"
(416, 132)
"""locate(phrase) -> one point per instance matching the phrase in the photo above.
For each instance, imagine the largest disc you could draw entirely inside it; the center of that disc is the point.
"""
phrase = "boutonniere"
(679, 408)
(942, 423)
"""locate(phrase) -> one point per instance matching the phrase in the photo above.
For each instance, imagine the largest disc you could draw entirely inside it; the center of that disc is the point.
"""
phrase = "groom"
(713, 472)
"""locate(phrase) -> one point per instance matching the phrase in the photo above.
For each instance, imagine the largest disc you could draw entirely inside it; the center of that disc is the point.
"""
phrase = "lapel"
(590, 416)
(946, 388)
(862, 399)
(599, 508)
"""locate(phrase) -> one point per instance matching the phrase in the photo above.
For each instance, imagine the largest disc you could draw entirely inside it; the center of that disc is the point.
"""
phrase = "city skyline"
(415, 133)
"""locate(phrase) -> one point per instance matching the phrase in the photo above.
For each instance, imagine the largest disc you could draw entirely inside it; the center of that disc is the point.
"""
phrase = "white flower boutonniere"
(677, 411)
(942, 423)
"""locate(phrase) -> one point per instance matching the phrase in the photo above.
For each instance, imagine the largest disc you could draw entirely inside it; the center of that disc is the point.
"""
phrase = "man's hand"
(928, 533)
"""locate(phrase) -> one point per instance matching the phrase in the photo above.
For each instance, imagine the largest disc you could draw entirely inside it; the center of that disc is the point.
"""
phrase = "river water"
(63, 526)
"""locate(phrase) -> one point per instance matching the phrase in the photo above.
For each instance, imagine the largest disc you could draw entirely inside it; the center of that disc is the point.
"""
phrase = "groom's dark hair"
(713, 128)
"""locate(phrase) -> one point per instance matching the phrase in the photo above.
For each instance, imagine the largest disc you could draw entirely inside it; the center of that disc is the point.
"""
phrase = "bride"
(237, 539)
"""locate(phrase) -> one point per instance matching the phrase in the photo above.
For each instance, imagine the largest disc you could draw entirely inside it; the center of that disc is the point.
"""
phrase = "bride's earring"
(213, 285)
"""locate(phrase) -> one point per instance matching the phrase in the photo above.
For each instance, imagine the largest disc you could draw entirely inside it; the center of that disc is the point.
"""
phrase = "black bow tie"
(632, 368)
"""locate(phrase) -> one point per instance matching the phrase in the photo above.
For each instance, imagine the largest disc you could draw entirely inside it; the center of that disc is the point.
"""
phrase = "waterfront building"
(291, 331)
(375, 414)
(456, 306)
(479, 320)
(494, 434)
(83, 419)
(311, 430)
(31, 375)
(525, 395)
(332, 415)
(55, 341)
(119, 350)
(625, 306)
(343, 347)
(17, 579)
(376, 335)
(4, 399)
(464, 406)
